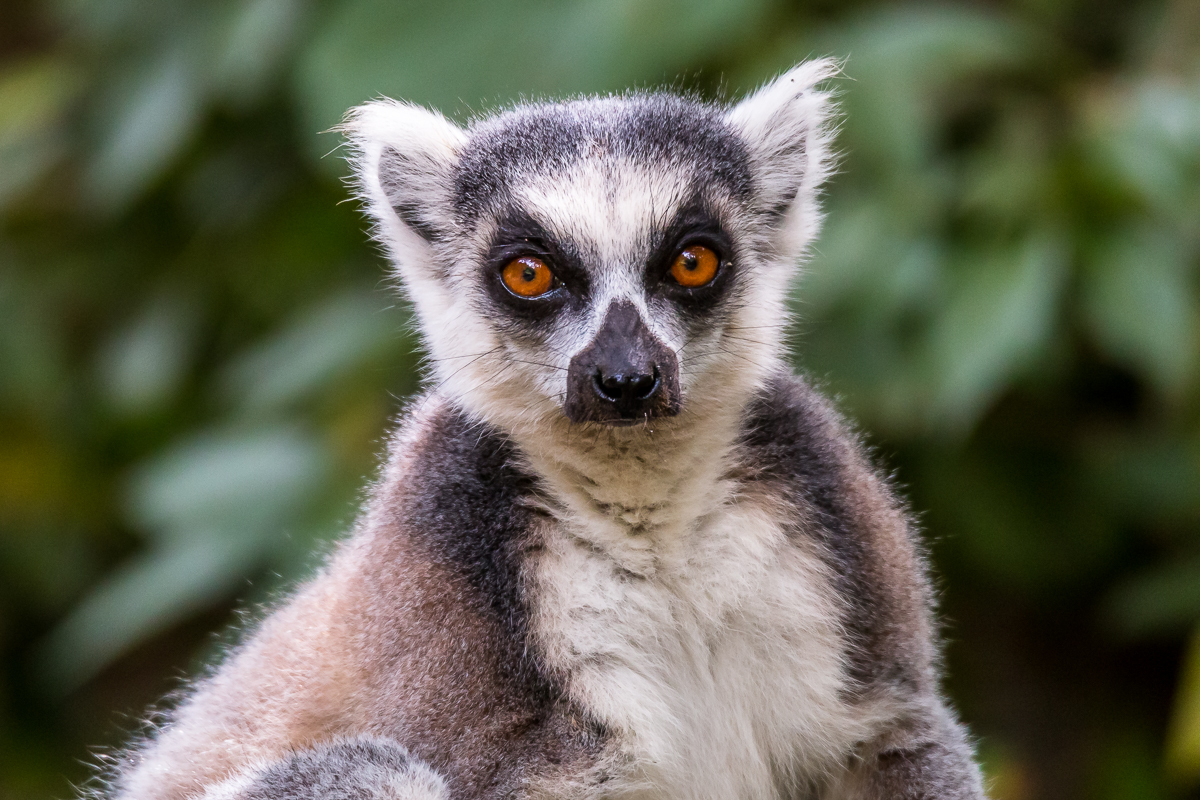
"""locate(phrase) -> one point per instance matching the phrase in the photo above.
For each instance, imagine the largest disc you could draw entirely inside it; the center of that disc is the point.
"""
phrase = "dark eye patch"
(519, 234)
(693, 224)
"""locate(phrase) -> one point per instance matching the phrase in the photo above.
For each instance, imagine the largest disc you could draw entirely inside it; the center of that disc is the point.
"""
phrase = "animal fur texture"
(618, 550)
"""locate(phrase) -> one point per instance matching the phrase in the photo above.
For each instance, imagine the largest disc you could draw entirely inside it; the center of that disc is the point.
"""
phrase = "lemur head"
(603, 261)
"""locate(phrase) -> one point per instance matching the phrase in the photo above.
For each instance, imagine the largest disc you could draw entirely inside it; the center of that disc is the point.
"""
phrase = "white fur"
(707, 640)
(787, 123)
(232, 788)
(432, 143)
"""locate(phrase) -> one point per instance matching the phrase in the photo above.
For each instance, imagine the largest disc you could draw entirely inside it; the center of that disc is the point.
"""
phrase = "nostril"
(642, 386)
(609, 386)
(625, 386)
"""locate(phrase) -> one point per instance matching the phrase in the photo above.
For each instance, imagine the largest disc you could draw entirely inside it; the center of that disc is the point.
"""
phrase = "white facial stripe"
(611, 210)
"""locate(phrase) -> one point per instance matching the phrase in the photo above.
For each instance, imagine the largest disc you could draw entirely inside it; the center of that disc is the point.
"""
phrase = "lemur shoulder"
(618, 550)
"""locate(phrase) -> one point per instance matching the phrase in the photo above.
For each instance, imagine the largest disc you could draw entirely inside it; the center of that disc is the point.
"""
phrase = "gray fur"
(351, 769)
(551, 593)
(647, 128)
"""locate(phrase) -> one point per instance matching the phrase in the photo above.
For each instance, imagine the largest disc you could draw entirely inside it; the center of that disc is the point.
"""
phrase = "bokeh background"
(199, 352)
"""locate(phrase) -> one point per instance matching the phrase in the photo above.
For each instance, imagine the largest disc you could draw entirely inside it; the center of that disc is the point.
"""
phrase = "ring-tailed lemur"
(618, 550)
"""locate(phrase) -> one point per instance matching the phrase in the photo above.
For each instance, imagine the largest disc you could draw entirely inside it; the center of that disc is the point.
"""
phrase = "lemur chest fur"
(710, 642)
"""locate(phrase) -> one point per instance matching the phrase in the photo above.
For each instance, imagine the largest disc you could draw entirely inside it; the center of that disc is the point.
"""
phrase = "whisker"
(431, 360)
(538, 364)
(460, 369)
(745, 339)
(756, 327)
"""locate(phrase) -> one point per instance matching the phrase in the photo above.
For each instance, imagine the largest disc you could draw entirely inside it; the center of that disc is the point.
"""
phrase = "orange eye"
(695, 266)
(527, 277)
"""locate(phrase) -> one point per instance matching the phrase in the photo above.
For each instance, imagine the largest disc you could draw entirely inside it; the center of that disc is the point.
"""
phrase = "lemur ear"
(403, 158)
(786, 125)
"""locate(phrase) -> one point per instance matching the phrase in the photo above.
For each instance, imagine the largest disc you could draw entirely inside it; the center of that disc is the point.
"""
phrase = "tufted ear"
(786, 125)
(403, 158)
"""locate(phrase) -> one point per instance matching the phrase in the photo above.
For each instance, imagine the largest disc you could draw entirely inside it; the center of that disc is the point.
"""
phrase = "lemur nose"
(627, 386)
(625, 375)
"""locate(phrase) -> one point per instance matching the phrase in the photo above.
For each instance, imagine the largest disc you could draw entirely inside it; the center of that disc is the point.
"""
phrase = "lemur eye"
(695, 266)
(527, 277)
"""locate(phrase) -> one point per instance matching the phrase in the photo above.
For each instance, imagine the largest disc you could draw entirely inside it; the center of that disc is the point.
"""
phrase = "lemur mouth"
(625, 376)
(624, 423)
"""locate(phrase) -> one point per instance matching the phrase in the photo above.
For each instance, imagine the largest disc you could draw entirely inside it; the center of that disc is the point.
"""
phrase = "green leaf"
(32, 351)
(1139, 300)
(1151, 477)
(243, 482)
(139, 599)
(1160, 602)
(901, 60)
(33, 101)
(143, 365)
(867, 258)
(1000, 315)
(324, 344)
(464, 54)
(1183, 735)
(214, 506)
(1147, 138)
(160, 111)
(256, 44)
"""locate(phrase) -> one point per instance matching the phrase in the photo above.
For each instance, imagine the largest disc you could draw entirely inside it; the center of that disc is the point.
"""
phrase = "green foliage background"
(199, 354)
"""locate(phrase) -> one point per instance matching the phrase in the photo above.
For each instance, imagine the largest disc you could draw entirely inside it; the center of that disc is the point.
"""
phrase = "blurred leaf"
(259, 37)
(999, 317)
(48, 566)
(1164, 601)
(1148, 138)
(1151, 478)
(230, 190)
(139, 599)
(158, 111)
(213, 506)
(1011, 178)
(38, 482)
(143, 365)
(324, 344)
(242, 482)
(103, 21)
(34, 375)
(1183, 736)
(488, 52)
(866, 257)
(900, 60)
(1015, 520)
(1128, 767)
(1140, 300)
(33, 99)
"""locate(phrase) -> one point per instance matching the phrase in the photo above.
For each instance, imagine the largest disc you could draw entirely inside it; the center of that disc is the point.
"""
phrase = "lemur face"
(615, 261)
(604, 246)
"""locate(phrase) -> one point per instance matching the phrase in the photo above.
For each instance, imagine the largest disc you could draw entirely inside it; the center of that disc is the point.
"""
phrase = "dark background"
(199, 353)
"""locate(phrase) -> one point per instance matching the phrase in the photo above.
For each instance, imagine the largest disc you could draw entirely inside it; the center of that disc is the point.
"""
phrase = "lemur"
(618, 549)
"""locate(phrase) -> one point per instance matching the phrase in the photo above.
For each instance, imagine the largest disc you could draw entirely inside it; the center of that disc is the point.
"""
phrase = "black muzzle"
(625, 375)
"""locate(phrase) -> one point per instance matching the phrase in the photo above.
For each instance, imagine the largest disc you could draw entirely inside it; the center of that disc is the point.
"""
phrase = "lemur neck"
(650, 482)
